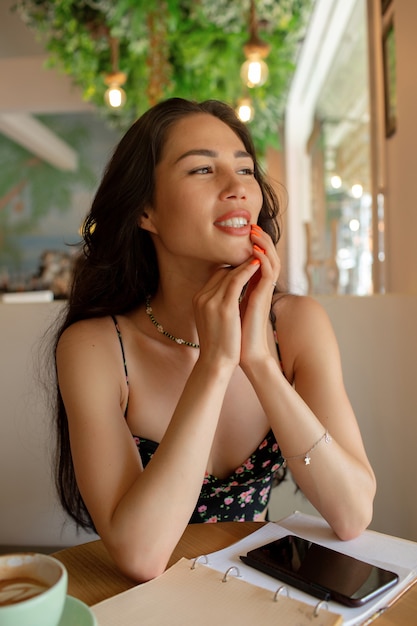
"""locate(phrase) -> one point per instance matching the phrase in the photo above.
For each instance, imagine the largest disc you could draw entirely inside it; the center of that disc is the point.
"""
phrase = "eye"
(248, 171)
(206, 169)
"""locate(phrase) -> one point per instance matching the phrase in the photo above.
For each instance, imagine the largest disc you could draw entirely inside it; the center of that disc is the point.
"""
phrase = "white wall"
(378, 341)
(29, 510)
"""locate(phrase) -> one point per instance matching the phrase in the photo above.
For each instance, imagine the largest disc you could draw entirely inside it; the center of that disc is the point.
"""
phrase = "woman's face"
(206, 195)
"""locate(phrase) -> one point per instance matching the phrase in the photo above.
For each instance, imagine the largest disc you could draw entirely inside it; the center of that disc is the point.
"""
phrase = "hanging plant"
(186, 48)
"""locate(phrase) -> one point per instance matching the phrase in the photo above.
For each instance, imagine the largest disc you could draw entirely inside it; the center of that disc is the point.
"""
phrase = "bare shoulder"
(87, 332)
(92, 339)
(90, 367)
(303, 328)
(300, 312)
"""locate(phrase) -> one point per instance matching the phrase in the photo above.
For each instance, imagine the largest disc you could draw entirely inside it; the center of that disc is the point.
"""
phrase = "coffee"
(14, 590)
(33, 589)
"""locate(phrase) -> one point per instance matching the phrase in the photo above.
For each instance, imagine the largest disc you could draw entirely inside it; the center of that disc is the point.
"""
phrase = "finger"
(263, 246)
(227, 282)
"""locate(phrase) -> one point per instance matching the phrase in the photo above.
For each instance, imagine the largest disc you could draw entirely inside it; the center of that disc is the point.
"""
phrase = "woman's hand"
(217, 311)
(228, 327)
(256, 303)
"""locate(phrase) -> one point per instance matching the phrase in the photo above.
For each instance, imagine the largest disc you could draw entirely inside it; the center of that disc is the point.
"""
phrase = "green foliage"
(203, 42)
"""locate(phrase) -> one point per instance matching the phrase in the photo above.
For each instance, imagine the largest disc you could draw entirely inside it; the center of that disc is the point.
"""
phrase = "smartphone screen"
(320, 571)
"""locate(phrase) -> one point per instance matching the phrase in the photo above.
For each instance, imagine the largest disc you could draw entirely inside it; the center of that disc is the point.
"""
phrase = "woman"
(170, 346)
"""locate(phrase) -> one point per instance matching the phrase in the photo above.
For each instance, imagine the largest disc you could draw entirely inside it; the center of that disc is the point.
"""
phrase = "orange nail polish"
(255, 262)
(258, 248)
(256, 227)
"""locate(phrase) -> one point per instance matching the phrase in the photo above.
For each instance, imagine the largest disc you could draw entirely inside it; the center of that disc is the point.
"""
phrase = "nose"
(233, 187)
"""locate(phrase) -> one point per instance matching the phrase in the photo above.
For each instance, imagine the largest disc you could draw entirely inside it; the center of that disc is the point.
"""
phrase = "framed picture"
(390, 77)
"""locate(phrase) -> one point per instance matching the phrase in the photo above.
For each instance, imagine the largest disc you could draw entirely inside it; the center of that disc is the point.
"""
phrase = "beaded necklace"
(161, 329)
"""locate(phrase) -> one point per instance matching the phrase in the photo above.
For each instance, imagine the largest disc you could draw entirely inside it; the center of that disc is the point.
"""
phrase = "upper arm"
(92, 385)
(308, 341)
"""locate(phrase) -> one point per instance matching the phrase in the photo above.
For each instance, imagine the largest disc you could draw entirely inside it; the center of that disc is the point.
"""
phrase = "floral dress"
(241, 497)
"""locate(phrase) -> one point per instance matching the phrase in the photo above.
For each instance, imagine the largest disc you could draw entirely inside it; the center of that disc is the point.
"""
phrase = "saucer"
(76, 613)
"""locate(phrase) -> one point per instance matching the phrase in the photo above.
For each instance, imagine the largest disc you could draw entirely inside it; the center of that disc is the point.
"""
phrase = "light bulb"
(336, 181)
(244, 110)
(115, 96)
(254, 72)
(357, 190)
(354, 225)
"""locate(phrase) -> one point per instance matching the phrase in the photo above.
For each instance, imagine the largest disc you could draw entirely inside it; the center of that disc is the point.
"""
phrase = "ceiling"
(28, 88)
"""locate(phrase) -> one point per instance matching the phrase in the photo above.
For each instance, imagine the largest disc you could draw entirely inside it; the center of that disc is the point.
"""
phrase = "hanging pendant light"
(244, 110)
(115, 96)
(254, 71)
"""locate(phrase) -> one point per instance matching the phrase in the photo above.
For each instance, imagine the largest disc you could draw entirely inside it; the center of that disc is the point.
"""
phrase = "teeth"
(234, 222)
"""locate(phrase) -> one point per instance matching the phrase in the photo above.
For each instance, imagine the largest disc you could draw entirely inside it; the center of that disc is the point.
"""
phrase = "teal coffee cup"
(33, 589)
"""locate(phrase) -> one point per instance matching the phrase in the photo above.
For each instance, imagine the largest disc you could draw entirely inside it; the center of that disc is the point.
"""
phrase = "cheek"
(257, 199)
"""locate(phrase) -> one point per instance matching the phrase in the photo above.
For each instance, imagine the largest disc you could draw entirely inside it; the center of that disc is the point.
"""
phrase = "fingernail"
(256, 227)
(255, 262)
(258, 248)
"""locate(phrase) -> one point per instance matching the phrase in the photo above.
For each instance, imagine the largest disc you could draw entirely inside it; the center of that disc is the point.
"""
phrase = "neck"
(172, 303)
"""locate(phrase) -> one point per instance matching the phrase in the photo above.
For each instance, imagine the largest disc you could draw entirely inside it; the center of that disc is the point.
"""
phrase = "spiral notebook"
(191, 593)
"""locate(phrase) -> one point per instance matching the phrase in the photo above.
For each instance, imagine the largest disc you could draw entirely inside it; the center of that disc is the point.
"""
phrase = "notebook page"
(399, 555)
(183, 595)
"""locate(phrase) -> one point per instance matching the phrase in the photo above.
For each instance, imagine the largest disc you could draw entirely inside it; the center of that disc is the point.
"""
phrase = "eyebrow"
(212, 153)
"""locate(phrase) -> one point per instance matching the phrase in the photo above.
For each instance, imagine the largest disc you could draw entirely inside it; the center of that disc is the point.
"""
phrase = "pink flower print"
(212, 520)
(228, 501)
(258, 517)
(246, 497)
(263, 496)
(234, 483)
(202, 508)
(275, 467)
(248, 464)
(239, 470)
(263, 444)
(266, 463)
(274, 447)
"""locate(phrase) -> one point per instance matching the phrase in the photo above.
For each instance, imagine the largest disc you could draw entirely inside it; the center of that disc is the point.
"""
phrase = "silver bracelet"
(306, 456)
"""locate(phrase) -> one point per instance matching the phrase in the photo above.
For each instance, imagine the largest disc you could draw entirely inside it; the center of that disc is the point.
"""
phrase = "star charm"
(307, 460)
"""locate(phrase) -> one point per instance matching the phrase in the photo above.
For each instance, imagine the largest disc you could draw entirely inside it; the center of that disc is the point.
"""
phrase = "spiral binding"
(232, 568)
(198, 559)
(281, 591)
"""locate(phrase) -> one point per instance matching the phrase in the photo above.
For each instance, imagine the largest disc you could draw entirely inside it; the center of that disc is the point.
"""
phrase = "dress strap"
(281, 364)
(119, 334)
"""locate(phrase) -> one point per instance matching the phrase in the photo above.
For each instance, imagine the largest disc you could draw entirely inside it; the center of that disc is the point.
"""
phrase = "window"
(339, 235)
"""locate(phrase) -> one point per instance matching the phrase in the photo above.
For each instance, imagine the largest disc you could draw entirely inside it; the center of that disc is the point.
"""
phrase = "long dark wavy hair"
(117, 265)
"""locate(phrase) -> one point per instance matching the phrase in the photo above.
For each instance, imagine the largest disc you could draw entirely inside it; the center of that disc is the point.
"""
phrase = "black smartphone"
(320, 571)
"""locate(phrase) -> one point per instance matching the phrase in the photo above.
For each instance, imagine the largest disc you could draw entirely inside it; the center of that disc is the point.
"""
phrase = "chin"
(241, 258)
(237, 257)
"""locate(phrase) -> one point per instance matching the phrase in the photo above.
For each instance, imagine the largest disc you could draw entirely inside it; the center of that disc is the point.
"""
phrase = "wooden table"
(92, 575)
